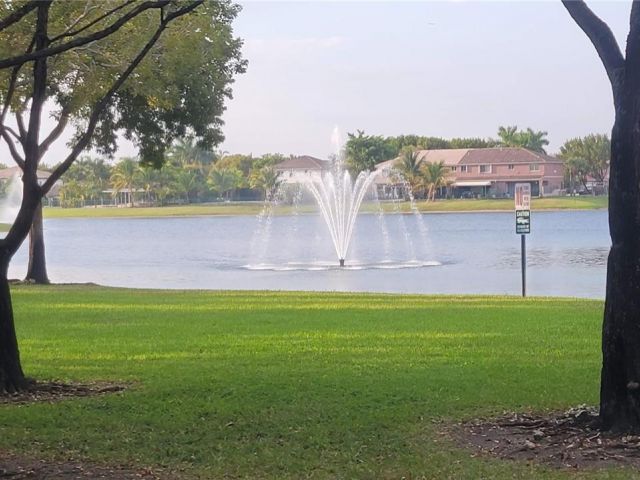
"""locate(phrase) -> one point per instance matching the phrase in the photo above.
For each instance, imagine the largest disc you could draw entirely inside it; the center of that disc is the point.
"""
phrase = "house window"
(463, 168)
(511, 167)
(485, 168)
(534, 167)
(453, 169)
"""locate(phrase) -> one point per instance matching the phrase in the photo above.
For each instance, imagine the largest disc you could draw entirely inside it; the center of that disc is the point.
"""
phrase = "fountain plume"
(339, 201)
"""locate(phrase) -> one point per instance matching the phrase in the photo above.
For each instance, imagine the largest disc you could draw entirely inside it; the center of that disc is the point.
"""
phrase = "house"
(298, 169)
(489, 172)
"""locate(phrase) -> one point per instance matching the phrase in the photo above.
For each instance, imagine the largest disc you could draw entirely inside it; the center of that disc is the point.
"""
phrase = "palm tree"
(224, 180)
(409, 165)
(266, 179)
(147, 178)
(535, 141)
(436, 177)
(185, 182)
(124, 177)
(530, 139)
(508, 136)
(187, 153)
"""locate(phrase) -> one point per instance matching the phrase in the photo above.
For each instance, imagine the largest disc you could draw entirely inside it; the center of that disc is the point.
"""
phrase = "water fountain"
(339, 200)
(10, 202)
(292, 243)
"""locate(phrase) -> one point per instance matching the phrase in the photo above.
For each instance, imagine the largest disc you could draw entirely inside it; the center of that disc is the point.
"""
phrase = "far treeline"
(192, 174)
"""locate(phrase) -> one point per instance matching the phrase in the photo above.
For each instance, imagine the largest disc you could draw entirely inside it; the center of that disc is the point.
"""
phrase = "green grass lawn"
(296, 385)
(253, 208)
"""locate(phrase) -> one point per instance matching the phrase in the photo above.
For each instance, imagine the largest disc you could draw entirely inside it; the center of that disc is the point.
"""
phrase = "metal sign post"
(523, 225)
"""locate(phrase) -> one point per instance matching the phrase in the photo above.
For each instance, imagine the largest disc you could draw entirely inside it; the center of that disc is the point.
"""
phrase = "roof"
(505, 155)
(467, 156)
(303, 162)
(10, 172)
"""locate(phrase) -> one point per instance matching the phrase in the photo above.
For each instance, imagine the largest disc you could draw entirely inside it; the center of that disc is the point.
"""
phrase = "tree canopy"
(530, 139)
(588, 155)
(150, 70)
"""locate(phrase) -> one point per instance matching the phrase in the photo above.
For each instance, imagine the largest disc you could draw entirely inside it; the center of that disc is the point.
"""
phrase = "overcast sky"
(430, 68)
(449, 69)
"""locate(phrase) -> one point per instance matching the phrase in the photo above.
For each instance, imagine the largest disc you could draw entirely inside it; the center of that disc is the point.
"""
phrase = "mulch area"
(22, 467)
(56, 391)
(18, 467)
(568, 439)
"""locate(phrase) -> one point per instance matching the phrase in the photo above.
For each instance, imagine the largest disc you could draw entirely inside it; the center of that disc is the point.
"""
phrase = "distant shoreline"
(254, 208)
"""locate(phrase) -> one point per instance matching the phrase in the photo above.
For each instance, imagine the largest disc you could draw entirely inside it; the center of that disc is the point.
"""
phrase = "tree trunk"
(37, 270)
(11, 376)
(620, 378)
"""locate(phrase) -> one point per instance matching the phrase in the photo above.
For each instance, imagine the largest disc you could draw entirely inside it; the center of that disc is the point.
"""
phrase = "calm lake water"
(433, 253)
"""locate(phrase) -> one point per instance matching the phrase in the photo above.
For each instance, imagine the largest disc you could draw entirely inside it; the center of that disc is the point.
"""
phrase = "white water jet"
(10, 203)
(339, 200)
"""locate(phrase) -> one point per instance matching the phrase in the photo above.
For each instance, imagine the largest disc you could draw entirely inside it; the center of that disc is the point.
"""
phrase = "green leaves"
(587, 156)
(529, 139)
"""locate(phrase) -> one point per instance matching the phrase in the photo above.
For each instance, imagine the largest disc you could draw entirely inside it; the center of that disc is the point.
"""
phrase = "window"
(534, 167)
(511, 167)
(463, 168)
(453, 169)
(485, 168)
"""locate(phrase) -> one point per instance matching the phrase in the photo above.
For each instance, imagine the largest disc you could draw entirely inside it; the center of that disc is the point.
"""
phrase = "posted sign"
(523, 208)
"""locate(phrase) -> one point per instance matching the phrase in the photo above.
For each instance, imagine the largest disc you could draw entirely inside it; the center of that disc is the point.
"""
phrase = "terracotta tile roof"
(474, 156)
(505, 155)
(303, 162)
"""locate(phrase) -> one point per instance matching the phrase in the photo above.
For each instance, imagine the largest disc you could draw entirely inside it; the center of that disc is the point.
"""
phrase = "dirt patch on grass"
(16, 467)
(569, 439)
(56, 391)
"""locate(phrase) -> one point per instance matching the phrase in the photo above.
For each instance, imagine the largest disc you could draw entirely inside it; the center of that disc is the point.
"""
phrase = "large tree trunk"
(11, 376)
(37, 270)
(620, 380)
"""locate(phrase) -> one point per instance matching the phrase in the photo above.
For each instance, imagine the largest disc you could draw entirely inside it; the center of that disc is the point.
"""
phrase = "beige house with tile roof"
(489, 172)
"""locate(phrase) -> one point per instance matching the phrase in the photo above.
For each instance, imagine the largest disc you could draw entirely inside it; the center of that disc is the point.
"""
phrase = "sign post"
(523, 225)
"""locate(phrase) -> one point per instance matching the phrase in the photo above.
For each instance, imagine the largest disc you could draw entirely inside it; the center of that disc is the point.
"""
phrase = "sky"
(447, 69)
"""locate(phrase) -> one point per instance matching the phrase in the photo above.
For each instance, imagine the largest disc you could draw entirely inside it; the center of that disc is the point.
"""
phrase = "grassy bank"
(251, 208)
(296, 385)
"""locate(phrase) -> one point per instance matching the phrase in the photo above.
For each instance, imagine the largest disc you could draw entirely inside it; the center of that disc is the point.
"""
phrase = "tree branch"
(601, 37)
(18, 14)
(13, 132)
(38, 96)
(69, 33)
(21, 128)
(99, 107)
(12, 148)
(55, 132)
(100, 34)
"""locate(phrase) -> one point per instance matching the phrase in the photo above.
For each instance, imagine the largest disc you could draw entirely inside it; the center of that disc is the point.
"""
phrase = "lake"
(432, 253)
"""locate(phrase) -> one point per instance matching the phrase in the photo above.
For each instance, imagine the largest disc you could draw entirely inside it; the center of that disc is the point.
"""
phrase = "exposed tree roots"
(17, 467)
(571, 439)
(55, 391)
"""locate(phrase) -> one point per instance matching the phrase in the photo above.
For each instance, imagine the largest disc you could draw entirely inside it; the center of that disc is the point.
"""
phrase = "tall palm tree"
(535, 140)
(409, 166)
(436, 177)
(187, 153)
(124, 177)
(530, 139)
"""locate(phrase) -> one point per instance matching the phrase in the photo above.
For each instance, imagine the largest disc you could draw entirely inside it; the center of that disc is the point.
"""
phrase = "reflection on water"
(463, 253)
(539, 257)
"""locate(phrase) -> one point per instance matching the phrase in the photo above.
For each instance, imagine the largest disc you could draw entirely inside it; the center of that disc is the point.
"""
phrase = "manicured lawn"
(253, 208)
(296, 385)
